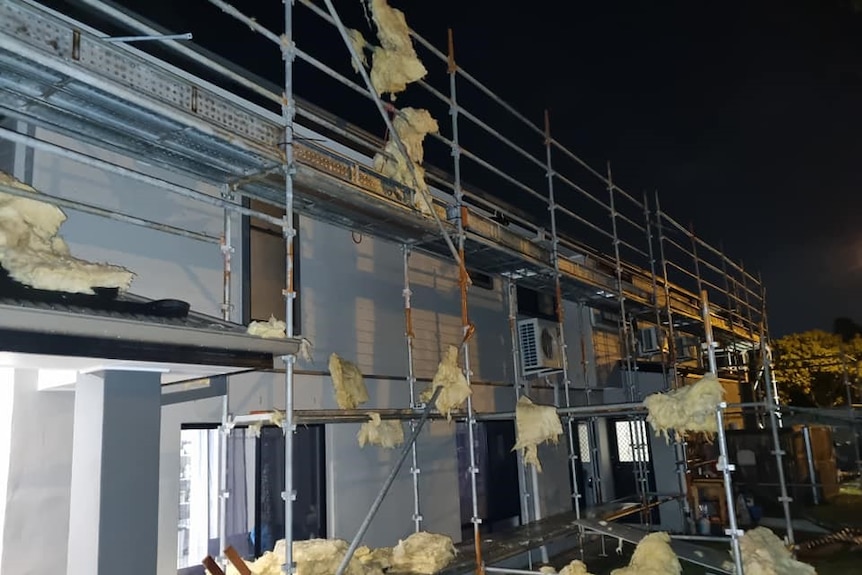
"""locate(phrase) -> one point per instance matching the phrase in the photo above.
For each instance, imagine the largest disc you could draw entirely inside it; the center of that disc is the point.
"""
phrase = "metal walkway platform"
(498, 547)
(61, 75)
(712, 559)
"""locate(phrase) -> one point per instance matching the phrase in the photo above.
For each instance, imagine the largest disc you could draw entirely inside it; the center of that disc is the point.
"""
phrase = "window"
(255, 481)
(630, 435)
(198, 513)
(264, 266)
(498, 498)
(584, 442)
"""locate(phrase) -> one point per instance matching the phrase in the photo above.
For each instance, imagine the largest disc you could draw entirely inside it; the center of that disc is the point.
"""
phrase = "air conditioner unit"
(649, 341)
(539, 342)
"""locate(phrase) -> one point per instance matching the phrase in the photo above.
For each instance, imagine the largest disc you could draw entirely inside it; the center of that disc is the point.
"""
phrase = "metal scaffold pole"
(512, 298)
(674, 374)
(724, 464)
(775, 423)
(680, 450)
(226, 248)
(288, 112)
(464, 282)
(628, 368)
(411, 381)
(748, 303)
(666, 339)
(560, 311)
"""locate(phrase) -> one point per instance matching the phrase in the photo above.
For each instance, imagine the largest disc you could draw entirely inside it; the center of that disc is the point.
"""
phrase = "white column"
(113, 519)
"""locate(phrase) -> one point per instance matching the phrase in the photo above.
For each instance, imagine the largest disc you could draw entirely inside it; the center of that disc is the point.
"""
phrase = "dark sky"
(746, 116)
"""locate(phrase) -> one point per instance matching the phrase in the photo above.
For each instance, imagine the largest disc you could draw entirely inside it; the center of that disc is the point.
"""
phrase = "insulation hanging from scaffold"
(535, 424)
(350, 390)
(386, 434)
(455, 389)
(690, 408)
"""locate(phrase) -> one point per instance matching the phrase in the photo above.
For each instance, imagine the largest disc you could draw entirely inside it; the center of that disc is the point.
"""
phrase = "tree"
(809, 368)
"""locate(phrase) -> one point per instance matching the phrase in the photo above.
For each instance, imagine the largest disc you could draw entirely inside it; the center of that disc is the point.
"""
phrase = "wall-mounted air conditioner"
(649, 341)
(539, 343)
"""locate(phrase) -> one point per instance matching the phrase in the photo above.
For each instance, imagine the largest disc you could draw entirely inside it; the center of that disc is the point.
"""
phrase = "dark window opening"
(264, 266)
(255, 481)
(497, 489)
(630, 444)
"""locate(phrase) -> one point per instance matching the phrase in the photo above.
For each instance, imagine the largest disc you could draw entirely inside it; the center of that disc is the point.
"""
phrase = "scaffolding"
(260, 156)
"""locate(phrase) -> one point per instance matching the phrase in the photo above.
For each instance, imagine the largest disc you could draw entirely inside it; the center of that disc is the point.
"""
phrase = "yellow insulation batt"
(454, 387)
(360, 44)
(272, 329)
(386, 434)
(350, 390)
(33, 253)
(535, 424)
(652, 556)
(394, 64)
(763, 553)
(423, 552)
(312, 557)
(690, 408)
(576, 567)
(380, 558)
(411, 125)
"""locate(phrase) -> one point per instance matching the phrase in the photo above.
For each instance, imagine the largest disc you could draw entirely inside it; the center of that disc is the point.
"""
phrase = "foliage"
(809, 369)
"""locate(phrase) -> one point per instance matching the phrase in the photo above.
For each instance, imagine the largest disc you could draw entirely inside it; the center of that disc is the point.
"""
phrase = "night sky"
(744, 115)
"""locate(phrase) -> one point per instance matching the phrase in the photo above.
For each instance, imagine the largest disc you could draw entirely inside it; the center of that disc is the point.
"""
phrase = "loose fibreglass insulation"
(454, 387)
(350, 390)
(34, 254)
(312, 557)
(423, 552)
(276, 418)
(394, 64)
(690, 408)
(652, 556)
(386, 434)
(272, 329)
(380, 558)
(535, 424)
(576, 567)
(763, 553)
(360, 44)
(411, 125)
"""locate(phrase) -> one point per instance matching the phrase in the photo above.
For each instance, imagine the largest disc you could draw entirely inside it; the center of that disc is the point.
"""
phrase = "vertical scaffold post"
(512, 299)
(561, 320)
(288, 111)
(411, 382)
(464, 282)
(560, 312)
(666, 340)
(724, 464)
(674, 379)
(224, 429)
(628, 366)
